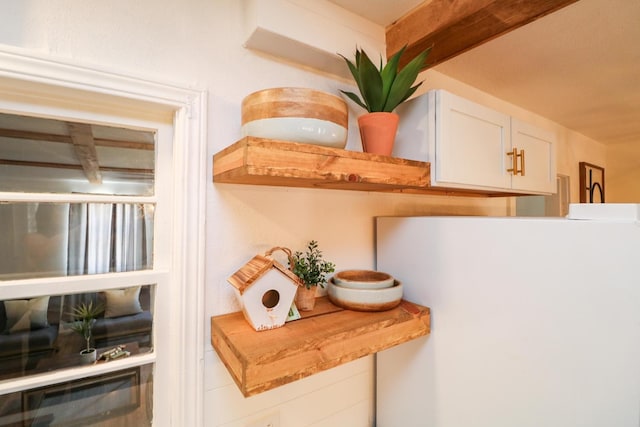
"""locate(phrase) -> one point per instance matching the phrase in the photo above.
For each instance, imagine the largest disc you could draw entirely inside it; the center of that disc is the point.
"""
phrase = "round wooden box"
(297, 115)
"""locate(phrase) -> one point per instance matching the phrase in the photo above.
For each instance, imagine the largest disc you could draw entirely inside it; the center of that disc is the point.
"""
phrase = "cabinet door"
(471, 142)
(539, 160)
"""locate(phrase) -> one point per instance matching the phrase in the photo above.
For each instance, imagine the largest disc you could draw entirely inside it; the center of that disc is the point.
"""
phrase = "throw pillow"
(26, 314)
(122, 302)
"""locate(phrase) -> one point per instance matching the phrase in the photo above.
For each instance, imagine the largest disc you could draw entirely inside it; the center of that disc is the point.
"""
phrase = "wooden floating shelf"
(324, 338)
(270, 162)
(260, 161)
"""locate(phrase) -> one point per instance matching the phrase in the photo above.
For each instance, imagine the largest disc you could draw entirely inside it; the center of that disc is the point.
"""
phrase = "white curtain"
(107, 237)
(129, 238)
(110, 237)
(58, 239)
(98, 226)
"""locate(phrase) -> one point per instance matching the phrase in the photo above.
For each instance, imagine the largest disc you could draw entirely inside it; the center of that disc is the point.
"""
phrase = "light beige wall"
(622, 174)
(199, 44)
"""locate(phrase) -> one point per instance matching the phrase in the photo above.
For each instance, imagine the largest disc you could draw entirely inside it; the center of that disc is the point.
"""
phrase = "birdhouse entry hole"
(271, 298)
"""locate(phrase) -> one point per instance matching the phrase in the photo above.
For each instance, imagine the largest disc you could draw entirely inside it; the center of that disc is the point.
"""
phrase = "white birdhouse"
(265, 289)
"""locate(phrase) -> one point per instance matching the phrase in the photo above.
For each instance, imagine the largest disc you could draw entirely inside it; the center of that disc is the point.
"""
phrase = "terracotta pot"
(306, 298)
(378, 132)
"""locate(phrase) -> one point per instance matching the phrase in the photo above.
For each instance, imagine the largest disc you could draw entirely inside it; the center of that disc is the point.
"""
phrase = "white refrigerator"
(535, 321)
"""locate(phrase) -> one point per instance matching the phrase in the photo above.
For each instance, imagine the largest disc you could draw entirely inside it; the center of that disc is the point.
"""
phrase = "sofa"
(126, 316)
(28, 331)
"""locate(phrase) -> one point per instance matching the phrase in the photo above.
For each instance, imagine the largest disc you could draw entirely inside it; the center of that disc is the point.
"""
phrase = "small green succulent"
(85, 316)
(384, 88)
(310, 267)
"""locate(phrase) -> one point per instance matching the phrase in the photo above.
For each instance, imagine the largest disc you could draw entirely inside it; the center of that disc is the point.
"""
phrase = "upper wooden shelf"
(271, 162)
(260, 161)
(324, 338)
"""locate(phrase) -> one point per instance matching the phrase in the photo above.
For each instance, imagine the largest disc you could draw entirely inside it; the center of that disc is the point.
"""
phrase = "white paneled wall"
(346, 391)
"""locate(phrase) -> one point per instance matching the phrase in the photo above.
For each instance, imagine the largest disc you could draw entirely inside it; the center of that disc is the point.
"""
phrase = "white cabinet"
(538, 158)
(471, 146)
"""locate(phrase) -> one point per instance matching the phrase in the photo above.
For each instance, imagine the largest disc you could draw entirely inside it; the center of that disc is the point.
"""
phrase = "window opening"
(103, 327)
(67, 239)
(59, 156)
(115, 398)
(48, 333)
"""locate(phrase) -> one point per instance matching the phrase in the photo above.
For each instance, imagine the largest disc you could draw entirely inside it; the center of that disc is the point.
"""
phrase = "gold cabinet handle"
(514, 161)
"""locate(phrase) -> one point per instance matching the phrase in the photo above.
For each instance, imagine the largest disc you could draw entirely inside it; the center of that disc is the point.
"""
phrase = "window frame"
(46, 84)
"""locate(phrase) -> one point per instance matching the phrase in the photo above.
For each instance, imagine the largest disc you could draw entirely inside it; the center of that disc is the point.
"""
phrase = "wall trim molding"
(25, 73)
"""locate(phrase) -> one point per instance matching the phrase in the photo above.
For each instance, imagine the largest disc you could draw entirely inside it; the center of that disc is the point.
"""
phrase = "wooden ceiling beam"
(85, 149)
(32, 164)
(39, 136)
(452, 27)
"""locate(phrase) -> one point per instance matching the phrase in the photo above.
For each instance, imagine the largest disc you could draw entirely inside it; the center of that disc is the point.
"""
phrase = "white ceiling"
(579, 66)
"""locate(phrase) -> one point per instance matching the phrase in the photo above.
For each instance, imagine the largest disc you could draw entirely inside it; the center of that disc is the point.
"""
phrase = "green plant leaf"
(310, 267)
(352, 67)
(354, 98)
(410, 92)
(383, 88)
(389, 73)
(371, 83)
(402, 83)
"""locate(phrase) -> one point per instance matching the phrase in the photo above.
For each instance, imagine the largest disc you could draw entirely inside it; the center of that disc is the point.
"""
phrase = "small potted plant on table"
(85, 316)
(312, 270)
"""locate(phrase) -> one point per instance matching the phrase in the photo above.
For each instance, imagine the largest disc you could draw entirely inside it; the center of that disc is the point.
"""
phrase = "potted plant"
(85, 316)
(312, 270)
(382, 89)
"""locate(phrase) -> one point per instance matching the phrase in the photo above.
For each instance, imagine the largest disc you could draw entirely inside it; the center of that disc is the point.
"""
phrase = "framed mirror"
(591, 183)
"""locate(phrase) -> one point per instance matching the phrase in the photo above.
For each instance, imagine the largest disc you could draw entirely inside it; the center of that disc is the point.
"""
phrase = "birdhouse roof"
(259, 265)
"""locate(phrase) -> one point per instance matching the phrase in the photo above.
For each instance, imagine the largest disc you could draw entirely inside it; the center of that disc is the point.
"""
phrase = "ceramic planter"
(306, 298)
(87, 357)
(378, 132)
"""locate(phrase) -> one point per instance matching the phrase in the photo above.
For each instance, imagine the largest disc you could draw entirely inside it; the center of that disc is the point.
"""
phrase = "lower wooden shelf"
(324, 338)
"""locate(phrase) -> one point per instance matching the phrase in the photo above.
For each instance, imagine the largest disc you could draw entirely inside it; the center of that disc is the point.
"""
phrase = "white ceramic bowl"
(365, 299)
(363, 279)
(298, 129)
(296, 114)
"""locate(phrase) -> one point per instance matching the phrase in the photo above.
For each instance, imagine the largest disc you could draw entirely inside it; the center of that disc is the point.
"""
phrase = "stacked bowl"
(364, 290)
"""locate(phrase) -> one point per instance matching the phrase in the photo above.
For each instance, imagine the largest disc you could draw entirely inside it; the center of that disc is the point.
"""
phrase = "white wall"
(198, 44)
